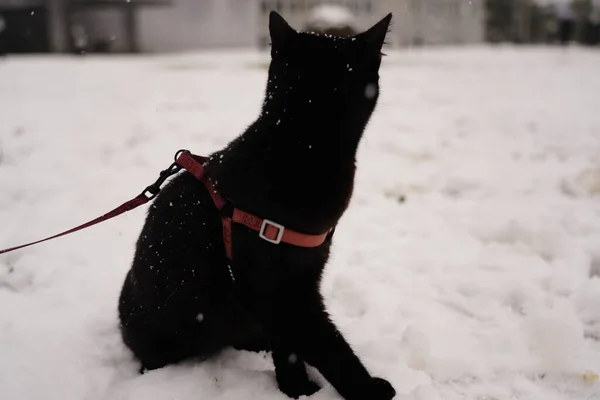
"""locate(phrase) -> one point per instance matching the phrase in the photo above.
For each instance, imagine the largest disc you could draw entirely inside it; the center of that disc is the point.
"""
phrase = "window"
(296, 6)
(265, 6)
(433, 6)
(454, 7)
(416, 5)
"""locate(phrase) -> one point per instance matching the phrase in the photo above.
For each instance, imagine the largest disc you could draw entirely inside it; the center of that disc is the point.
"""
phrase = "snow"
(467, 267)
(370, 90)
(330, 15)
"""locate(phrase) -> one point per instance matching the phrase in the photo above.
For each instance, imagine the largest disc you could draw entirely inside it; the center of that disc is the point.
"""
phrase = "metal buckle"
(263, 228)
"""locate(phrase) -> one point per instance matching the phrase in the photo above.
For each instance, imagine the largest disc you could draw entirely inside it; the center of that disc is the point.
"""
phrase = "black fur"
(293, 165)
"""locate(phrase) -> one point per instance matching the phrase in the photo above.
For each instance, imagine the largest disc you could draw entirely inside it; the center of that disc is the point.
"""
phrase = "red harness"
(268, 230)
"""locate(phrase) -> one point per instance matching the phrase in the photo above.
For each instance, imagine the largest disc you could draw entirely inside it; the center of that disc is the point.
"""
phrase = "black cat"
(294, 165)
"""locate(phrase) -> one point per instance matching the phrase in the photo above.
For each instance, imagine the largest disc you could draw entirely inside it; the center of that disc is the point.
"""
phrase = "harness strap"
(272, 231)
(268, 230)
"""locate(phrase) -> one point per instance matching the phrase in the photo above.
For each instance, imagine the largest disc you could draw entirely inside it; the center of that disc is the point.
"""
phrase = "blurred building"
(126, 25)
(416, 22)
(543, 22)
(25, 26)
(438, 22)
(180, 25)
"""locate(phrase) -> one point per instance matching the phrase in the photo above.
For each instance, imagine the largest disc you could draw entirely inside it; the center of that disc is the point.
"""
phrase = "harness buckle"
(263, 229)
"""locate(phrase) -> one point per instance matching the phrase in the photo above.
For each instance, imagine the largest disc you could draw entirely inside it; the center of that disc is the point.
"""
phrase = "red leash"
(148, 194)
(123, 208)
(267, 230)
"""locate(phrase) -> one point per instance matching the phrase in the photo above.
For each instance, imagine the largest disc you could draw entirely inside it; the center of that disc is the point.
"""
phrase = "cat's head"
(332, 79)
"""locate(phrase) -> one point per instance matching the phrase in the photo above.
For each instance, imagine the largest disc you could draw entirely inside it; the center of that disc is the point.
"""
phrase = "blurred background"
(126, 26)
(468, 264)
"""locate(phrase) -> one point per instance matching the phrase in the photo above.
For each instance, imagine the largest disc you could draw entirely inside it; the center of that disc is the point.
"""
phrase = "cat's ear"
(375, 36)
(279, 29)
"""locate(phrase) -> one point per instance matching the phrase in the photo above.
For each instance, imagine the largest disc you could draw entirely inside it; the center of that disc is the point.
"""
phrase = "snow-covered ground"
(467, 267)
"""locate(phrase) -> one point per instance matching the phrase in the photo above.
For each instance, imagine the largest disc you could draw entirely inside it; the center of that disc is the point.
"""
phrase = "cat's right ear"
(279, 29)
(376, 34)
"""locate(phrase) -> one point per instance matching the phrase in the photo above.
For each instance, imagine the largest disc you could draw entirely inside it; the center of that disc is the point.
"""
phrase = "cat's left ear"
(375, 36)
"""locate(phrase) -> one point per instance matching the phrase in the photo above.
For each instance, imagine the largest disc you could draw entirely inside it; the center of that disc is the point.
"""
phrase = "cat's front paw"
(382, 389)
(375, 389)
(298, 387)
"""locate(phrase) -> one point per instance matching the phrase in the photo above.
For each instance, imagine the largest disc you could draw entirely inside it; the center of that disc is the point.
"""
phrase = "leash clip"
(153, 190)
